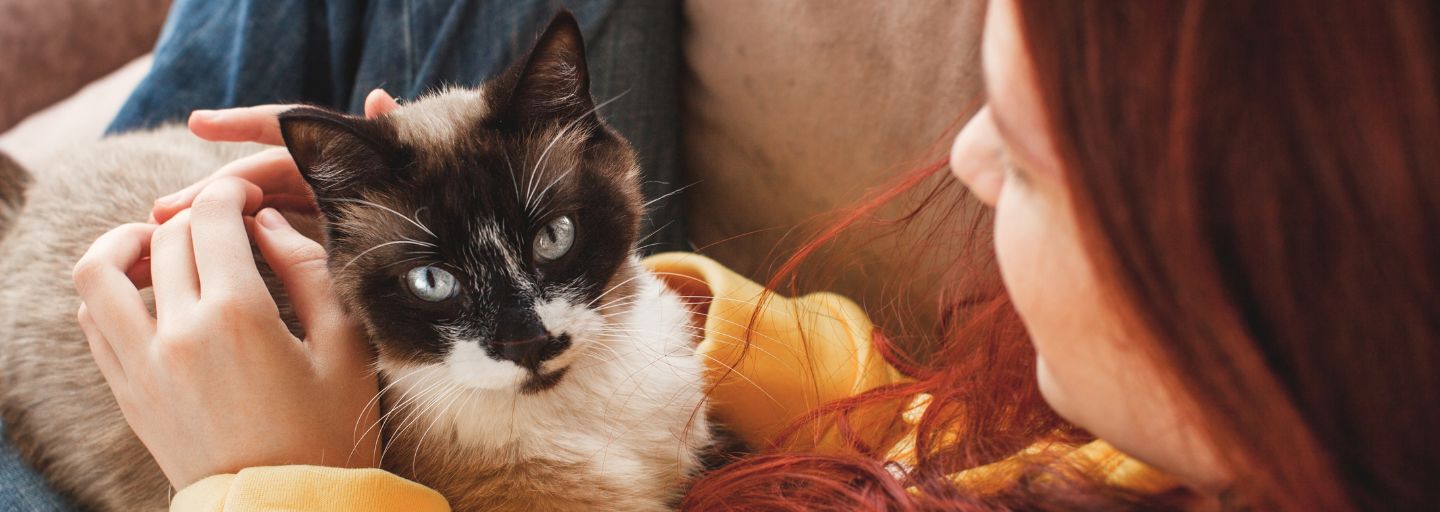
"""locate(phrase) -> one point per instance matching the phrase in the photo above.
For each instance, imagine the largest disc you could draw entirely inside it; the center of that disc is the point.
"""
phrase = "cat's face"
(488, 233)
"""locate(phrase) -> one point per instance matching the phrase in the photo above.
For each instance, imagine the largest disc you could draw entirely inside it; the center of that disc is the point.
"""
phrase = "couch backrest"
(51, 48)
(792, 109)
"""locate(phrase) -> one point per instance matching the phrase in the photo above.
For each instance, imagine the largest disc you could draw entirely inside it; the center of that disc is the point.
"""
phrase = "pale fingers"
(112, 300)
(139, 274)
(301, 264)
(222, 247)
(245, 124)
(261, 123)
(172, 269)
(101, 350)
(273, 170)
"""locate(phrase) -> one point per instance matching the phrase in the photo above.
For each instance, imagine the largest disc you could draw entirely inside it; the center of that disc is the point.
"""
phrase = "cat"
(485, 238)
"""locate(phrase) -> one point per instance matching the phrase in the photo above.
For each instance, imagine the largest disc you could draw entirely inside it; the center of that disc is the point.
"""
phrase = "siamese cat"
(486, 239)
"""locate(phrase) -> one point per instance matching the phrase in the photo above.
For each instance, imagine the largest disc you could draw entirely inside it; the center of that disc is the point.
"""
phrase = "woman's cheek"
(1087, 366)
(1050, 390)
(1036, 254)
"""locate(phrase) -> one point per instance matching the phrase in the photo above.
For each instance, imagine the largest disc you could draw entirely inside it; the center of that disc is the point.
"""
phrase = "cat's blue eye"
(554, 240)
(431, 283)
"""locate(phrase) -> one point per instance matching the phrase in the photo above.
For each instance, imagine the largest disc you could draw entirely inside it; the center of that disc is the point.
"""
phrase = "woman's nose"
(976, 157)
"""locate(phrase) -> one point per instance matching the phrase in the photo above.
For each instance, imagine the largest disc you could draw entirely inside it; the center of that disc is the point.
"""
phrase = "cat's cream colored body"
(57, 410)
(620, 432)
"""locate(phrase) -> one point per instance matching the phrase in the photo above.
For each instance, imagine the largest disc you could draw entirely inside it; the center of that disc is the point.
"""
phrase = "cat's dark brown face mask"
(486, 233)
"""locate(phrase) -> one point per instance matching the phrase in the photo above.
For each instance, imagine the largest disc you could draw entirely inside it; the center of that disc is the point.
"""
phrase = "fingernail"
(272, 219)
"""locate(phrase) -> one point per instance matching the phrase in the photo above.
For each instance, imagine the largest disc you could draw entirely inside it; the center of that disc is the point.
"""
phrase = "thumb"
(300, 263)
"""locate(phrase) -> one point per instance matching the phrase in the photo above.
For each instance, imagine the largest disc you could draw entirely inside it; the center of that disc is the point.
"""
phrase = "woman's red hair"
(1259, 183)
(1259, 186)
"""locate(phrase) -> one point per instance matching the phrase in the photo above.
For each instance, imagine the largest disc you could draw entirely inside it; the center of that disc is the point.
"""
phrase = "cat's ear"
(338, 155)
(554, 81)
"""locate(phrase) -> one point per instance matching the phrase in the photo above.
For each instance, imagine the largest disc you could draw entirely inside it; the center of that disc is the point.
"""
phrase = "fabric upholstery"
(51, 48)
(793, 109)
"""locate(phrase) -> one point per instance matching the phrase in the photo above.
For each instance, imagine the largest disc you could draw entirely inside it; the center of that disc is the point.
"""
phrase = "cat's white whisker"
(668, 194)
(415, 222)
(713, 335)
(614, 302)
(376, 247)
(641, 249)
(415, 415)
(416, 257)
(558, 135)
(613, 288)
(376, 399)
(422, 402)
(376, 402)
(405, 401)
(543, 201)
(737, 372)
(533, 179)
(678, 393)
(653, 233)
(513, 181)
(417, 242)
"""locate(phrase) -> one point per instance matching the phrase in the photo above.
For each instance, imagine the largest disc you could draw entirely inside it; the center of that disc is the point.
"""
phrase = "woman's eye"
(431, 283)
(1013, 173)
(555, 240)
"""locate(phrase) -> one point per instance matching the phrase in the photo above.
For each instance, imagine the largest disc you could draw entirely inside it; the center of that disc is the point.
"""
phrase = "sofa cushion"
(51, 48)
(793, 109)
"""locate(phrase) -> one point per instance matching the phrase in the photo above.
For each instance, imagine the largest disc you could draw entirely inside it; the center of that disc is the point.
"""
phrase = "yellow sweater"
(803, 352)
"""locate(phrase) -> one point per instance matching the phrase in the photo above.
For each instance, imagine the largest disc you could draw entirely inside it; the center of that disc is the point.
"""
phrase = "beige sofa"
(791, 109)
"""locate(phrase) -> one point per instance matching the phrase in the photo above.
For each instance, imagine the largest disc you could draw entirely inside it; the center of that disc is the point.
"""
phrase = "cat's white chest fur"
(630, 406)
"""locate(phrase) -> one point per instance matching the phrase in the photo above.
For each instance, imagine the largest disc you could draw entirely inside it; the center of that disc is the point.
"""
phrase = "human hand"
(273, 170)
(215, 382)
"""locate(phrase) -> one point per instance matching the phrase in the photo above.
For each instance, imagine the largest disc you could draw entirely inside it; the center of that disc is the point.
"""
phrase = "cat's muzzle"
(529, 353)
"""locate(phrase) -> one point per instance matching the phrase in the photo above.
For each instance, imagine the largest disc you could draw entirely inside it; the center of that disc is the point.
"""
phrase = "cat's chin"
(542, 382)
(514, 379)
(469, 366)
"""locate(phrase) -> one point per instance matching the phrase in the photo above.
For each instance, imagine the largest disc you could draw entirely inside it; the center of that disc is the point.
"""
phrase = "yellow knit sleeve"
(309, 488)
(802, 352)
(806, 351)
